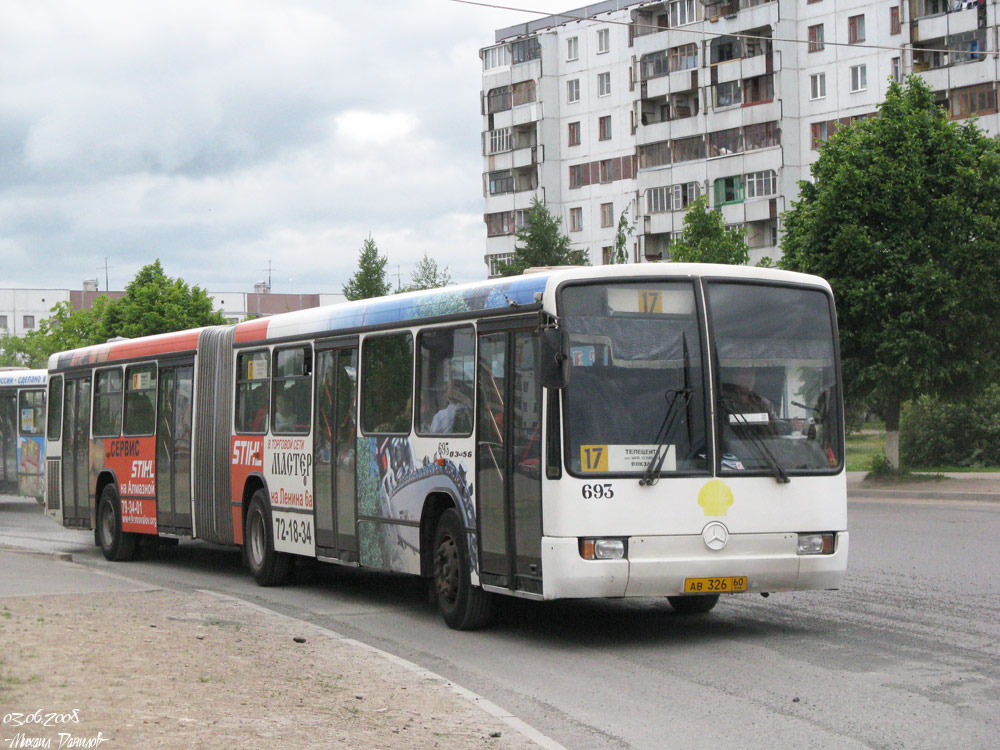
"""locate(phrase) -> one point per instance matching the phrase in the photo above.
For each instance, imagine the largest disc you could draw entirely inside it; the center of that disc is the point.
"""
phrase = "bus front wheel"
(693, 605)
(269, 568)
(463, 606)
(117, 545)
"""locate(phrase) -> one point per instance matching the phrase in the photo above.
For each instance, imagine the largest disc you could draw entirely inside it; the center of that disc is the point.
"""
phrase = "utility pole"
(269, 269)
(107, 288)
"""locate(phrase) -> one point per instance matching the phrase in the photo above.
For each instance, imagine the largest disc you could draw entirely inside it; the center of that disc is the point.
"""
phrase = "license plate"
(715, 585)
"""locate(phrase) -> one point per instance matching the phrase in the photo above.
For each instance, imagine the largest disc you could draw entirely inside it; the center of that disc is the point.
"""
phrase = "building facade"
(646, 106)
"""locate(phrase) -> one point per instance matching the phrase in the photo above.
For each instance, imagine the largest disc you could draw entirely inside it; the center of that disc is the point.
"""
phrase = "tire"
(117, 545)
(693, 605)
(269, 568)
(462, 605)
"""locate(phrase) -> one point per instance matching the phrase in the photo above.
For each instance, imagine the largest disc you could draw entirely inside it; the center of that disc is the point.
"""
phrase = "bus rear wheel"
(463, 606)
(269, 568)
(693, 605)
(117, 545)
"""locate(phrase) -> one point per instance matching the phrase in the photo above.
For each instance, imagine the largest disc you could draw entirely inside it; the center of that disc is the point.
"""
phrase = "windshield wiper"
(742, 429)
(678, 401)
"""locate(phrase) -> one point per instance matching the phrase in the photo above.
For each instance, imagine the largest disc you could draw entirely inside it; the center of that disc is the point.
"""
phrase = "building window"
(576, 175)
(856, 29)
(973, 100)
(604, 128)
(573, 90)
(572, 48)
(729, 190)
(761, 184)
(575, 219)
(499, 140)
(820, 134)
(603, 41)
(758, 90)
(724, 142)
(574, 134)
(683, 57)
(817, 86)
(28, 321)
(498, 99)
(496, 57)
(524, 92)
(727, 94)
(3, 322)
(607, 214)
(896, 69)
(816, 38)
(894, 25)
(525, 49)
(684, 195)
(859, 78)
(501, 182)
(605, 170)
(500, 223)
(603, 84)
(653, 65)
(682, 12)
(494, 262)
(606, 254)
(654, 155)
(658, 200)
(762, 135)
(687, 149)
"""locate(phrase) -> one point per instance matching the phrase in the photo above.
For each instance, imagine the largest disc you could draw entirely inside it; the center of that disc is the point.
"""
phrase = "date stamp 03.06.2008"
(45, 729)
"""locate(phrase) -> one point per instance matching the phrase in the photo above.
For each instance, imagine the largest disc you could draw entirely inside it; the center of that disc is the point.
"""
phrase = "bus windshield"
(776, 378)
(635, 378)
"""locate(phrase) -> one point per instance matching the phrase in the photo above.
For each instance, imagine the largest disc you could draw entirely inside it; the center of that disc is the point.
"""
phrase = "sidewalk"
(116, 663)
(979, 486)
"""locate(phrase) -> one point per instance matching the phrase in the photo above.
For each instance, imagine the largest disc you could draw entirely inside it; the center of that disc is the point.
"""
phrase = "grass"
(863, 446)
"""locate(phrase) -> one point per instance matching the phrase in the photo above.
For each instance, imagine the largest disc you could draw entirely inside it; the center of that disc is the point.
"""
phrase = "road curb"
(63, 556)
(497, 712)
(982, 497)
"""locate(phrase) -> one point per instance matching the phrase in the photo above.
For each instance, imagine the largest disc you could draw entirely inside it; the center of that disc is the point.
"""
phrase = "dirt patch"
(160, 669)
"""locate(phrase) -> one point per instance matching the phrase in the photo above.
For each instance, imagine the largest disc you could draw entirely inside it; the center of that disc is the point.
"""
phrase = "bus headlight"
(602, 549)
(816, 544)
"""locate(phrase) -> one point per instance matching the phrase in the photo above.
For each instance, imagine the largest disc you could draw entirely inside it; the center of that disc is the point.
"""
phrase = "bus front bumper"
(659, 566)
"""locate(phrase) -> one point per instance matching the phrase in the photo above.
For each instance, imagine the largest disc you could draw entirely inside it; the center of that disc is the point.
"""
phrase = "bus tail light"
(602, 549)
(816, 544)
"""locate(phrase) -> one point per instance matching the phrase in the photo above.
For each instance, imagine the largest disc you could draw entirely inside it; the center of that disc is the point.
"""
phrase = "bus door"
(76, 452)
(173, 448)
(334, 449)
(508, 459)
(8, 441)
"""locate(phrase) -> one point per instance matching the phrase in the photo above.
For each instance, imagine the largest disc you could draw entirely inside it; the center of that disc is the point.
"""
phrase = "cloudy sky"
(220, 136)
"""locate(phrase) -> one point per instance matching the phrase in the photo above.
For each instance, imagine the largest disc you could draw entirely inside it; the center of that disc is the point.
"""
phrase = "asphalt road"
(906, 655)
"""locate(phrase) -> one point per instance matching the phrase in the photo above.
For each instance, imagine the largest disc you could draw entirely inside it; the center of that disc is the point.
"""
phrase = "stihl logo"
(142, 469)
(246, 453)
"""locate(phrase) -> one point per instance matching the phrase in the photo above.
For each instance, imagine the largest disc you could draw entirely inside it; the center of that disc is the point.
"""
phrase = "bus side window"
(252, 392)
(447, 378)
(31, 408)
(54, 430)
(292, 391)
(140, 400)
(387, 384)
(108, 403)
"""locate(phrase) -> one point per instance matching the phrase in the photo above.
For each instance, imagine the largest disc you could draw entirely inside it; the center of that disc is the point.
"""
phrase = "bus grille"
(53, 487)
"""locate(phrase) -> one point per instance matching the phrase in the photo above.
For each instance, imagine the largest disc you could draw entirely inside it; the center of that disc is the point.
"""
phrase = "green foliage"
(879, 467)
(903, 219)
(540, 243)
(625, 230)
(156, 303)
(65, 329)
(370, 278)
(427, 275)
(705, 238)
(939, 432)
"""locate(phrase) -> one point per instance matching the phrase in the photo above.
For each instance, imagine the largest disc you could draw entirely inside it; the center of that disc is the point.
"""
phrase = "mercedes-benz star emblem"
(716, 535)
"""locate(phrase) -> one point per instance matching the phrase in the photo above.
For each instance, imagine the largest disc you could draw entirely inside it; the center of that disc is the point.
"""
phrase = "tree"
(625, 230)
(370, 279)
(705, 238)
(427, 275)
(65, 329)
(903, 219)
(540, 243)
(157, 303)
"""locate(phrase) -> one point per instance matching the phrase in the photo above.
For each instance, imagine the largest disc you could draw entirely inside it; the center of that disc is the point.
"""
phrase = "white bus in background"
(662, 430)
(22, 432)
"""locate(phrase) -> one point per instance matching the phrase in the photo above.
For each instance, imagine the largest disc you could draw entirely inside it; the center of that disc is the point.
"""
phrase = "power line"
(703, 32)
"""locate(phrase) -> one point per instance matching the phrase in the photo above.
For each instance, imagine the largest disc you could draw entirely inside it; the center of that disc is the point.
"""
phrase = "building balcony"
(942, 24)
(525, 113)
(528, 156)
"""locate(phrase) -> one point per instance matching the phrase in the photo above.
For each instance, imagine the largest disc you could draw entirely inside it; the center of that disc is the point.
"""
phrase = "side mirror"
(555, 358)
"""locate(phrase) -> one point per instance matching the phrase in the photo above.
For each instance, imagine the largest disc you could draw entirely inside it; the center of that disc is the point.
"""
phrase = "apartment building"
(646, 106)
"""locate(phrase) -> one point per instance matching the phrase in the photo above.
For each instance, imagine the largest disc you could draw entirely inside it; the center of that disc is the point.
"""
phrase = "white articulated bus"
(22, 432)
(659, 430)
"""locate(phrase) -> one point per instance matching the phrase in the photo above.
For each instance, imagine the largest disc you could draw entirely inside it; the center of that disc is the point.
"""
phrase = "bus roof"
(479, 297)
(23, 377)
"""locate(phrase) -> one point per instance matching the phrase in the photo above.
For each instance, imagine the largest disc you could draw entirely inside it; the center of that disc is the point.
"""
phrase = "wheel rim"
(447, 572)
(107, 524)
(256, 539)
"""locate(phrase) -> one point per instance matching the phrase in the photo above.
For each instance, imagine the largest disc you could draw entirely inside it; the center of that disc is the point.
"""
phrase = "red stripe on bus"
(165, 343)
(251, 330)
